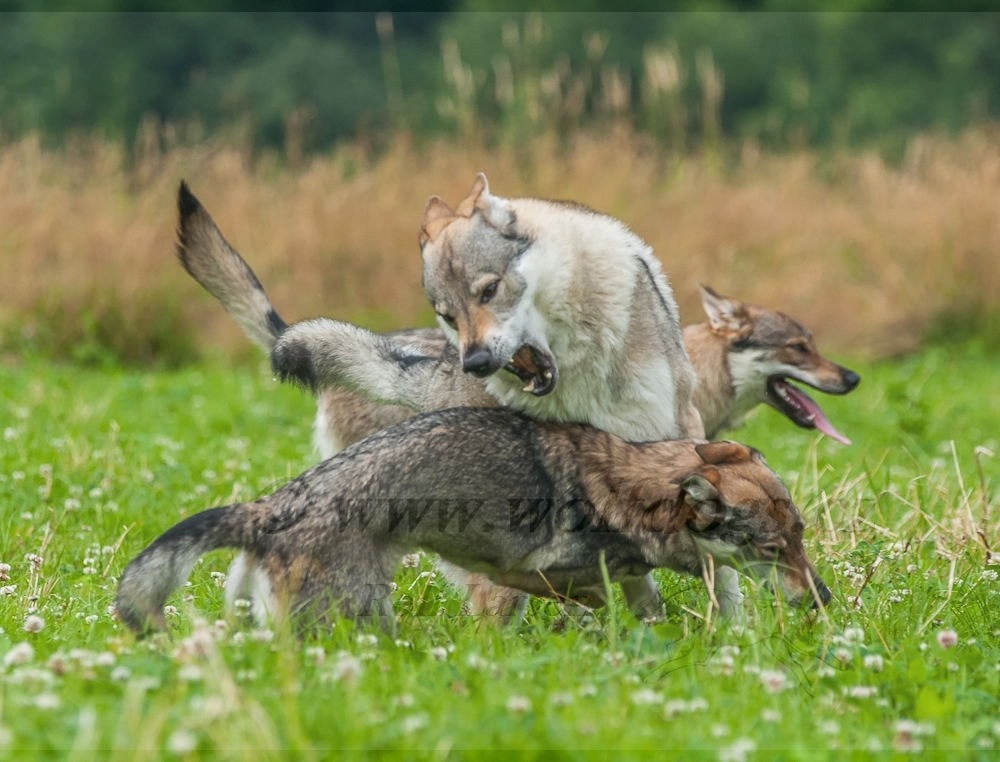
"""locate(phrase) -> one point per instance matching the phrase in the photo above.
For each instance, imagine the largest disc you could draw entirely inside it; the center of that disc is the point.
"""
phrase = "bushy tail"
(167, 562)
(217, 266)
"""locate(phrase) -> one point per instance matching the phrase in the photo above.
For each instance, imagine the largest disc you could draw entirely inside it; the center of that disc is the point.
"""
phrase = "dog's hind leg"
(730, 597)
(643, 597)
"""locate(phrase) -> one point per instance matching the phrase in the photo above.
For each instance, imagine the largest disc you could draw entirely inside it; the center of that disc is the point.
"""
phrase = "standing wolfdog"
(538, 514)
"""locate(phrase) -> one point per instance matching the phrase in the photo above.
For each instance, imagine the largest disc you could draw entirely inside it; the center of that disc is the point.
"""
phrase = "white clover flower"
(46, 701)
(738, 751)
(439, 653)
(646, 696)
(518, 705)
(770, 715)
(873, 662)
(862, 691)
(10, 433)
(411, 561)
(21, 653)
(90, 618)
(71, 504)
(4, 572)
(8, 590)
(907, 735)
(315, 655)
(121, 674)
(58, 663)
(854, 636)
(34, 624)
(947, 638)
(17, 475)
(719, 731)
(170, 611)
(219, 578)
(914, 728)
(843, 655)
(35, 560)
(561, 698)
(95, 493)
(587, 690)
(182, 741)
(189, 673)
(828, 727)
(773, 680)
(367, 640)
(347, 668)
(413, 723)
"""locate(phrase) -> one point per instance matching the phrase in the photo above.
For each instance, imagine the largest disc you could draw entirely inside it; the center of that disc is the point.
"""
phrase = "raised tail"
(164, 566)
(222, 272)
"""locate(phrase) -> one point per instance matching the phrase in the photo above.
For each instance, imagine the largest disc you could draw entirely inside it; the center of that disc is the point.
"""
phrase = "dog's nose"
(479, 363)
(851, 379)
(823, 590)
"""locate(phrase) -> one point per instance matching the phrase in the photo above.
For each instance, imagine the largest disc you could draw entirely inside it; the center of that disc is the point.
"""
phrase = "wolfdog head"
(739, 511)
(766, 349)
(476, 279)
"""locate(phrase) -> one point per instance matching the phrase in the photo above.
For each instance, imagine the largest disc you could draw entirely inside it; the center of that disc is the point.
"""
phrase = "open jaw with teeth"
(800, 408)
(536, 369)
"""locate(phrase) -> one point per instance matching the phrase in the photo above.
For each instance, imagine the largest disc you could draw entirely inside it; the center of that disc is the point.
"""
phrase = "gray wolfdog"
(538, 514)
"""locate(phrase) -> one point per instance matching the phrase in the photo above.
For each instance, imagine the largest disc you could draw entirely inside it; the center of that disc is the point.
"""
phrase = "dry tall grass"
(864, 253)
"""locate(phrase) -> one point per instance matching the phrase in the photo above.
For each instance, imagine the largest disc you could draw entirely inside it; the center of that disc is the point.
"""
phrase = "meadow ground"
(95, 464)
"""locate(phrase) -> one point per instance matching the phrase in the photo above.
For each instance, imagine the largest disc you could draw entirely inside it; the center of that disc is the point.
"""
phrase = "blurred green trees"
(302, 80)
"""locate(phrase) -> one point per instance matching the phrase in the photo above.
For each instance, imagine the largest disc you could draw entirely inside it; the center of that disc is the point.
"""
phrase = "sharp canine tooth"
(548, 375)
(530, 386)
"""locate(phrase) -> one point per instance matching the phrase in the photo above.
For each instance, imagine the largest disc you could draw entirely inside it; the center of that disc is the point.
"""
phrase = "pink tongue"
(819, 419)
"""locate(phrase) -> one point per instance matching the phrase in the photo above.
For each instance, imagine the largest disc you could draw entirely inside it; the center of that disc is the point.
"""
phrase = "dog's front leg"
(643, 597)
(504, 605)
(730, 597)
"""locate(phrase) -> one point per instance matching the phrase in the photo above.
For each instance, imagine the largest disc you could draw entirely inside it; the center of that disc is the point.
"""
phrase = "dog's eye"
(449, 320)
(801, 347)
(771, 548)
(489, 292)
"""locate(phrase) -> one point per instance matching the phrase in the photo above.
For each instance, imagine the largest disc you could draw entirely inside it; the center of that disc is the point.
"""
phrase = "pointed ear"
(698, 488)
(496, 211)
(701, 497)
(437, 216)
(724, 315)
(718, 453)
(479, 187)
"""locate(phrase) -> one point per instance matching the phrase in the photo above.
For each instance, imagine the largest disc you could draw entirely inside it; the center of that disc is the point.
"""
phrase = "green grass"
(93, 465)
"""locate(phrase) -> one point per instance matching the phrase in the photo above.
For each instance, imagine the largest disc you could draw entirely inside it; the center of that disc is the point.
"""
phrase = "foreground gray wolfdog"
(537, 514)
(744, 355)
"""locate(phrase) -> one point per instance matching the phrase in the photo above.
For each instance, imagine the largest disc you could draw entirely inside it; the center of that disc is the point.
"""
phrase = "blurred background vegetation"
(844, 167)
(783, 78)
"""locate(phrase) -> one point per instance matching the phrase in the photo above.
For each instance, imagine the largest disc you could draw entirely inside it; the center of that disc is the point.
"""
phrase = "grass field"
(93, 465)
